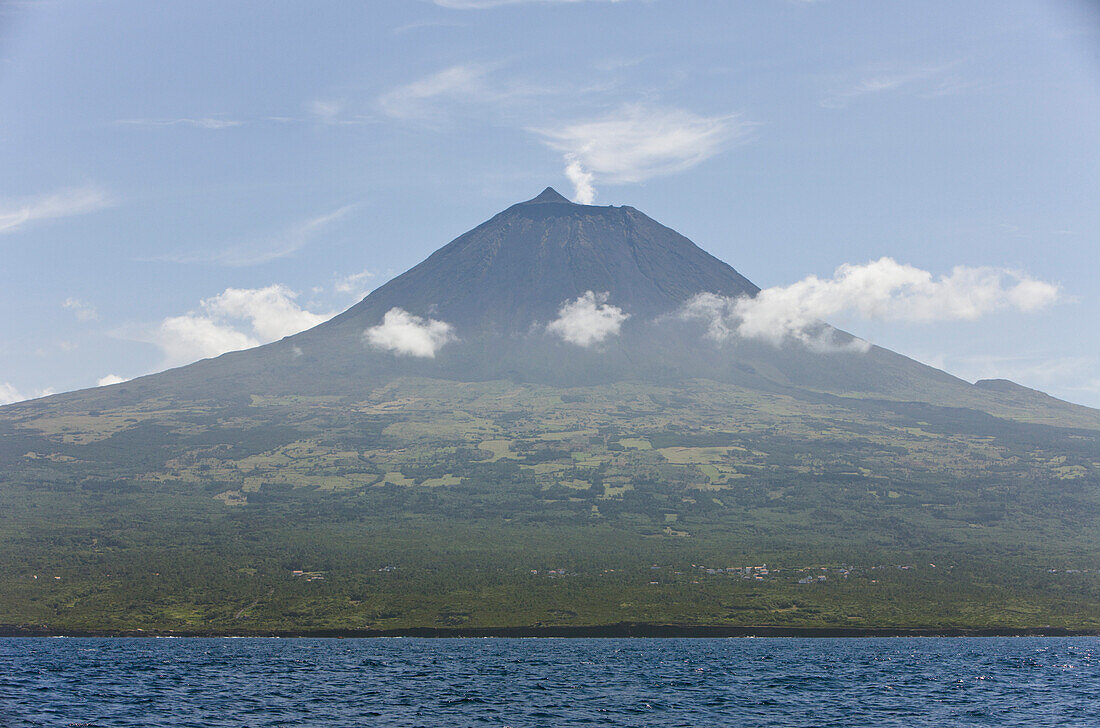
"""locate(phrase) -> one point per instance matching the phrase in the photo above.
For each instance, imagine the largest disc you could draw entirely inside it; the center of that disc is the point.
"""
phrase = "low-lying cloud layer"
(883, 289)
(588, 320)
(406, 334)
(271, 311)
(9, 393)
(237, 318)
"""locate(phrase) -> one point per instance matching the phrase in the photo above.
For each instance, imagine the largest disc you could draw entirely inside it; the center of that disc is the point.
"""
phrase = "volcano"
(517, 269)
(533, 401)
(498, 289)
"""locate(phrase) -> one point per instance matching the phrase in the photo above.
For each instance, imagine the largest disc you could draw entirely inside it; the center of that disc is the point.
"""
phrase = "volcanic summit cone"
(498, 289)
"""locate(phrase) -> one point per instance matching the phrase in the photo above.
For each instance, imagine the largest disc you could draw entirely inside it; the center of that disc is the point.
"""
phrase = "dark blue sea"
(1026, 681)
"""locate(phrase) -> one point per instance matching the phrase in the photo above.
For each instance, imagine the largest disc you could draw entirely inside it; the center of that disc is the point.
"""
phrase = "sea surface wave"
(795, 682)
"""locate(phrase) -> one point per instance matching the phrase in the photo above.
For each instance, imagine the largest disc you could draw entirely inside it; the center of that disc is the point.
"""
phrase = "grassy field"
(500, 504)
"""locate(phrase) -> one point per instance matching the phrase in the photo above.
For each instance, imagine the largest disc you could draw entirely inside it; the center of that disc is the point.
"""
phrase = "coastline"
(625, 629)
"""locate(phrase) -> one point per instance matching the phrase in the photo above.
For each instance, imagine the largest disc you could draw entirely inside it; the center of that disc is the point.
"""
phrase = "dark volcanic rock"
(500, 284)
(519, 267)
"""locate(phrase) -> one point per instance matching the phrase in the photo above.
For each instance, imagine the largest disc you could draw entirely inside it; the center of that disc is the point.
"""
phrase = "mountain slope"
(519, 267)
(426, 491)
(500, 284)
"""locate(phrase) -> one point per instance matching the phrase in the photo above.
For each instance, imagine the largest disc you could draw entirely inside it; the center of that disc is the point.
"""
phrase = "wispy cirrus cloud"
(930, 81)
(631, 143)
(213, 122)
(17, 213)
(425, 24)
(332, 112)
(280, 244)
(637, 142)
(882, 290)
(474, 90)
(485, 4)
(326, 110)
(431, 98)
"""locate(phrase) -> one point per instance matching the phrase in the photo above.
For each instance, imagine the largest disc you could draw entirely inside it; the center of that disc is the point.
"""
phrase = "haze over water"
(551, 682)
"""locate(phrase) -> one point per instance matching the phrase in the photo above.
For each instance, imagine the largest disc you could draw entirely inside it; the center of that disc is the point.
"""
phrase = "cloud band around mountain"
(236, 318)
(882, 290)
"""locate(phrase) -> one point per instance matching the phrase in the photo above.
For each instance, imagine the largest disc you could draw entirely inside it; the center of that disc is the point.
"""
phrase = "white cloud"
(9, 394)
(470, 89)
(924, 82)
(638, 142)
(110, 379)
(274, 247)
(883, 289)
(82, 311)
(205, 122)
(403, 333)
(190, 337)
(331, 111)
(237, 318)
(417, 100)
(271, 311)
(64, 203)
(356, 284)
(587, 320)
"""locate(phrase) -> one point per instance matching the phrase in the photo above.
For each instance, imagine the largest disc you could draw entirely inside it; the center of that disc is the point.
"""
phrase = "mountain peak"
(548, 195)
(516, 270)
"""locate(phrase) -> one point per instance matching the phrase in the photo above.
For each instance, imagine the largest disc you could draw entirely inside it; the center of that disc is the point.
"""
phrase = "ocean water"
(943, 682)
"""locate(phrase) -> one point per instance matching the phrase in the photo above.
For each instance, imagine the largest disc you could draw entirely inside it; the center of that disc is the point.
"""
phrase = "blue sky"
(179, 179)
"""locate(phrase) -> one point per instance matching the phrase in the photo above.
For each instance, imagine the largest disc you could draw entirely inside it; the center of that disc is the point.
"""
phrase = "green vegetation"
(426, 503)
